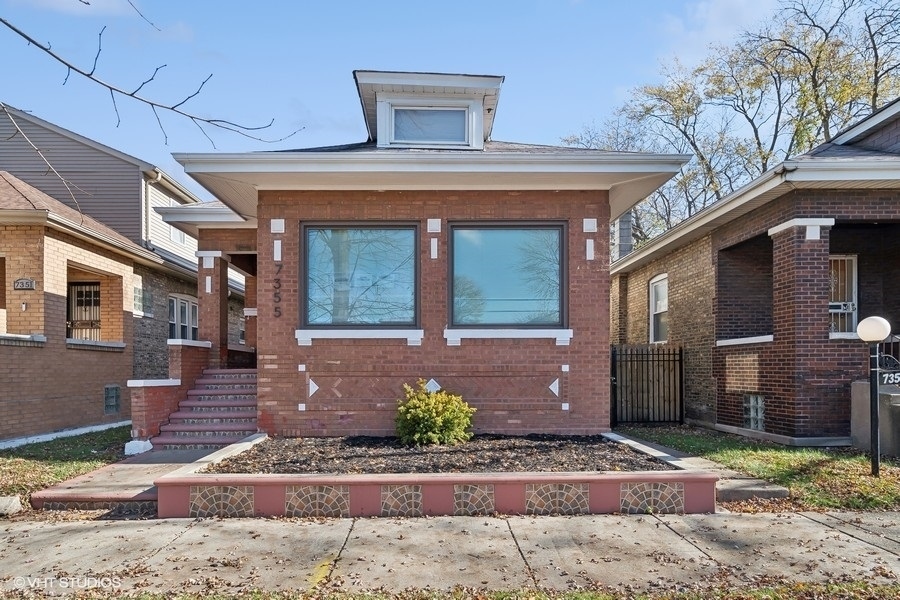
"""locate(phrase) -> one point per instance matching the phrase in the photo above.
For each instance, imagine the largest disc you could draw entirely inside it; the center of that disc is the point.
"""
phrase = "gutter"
(766, 182)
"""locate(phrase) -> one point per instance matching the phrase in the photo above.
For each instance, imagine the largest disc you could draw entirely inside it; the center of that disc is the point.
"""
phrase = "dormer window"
(432, 123)
(423, 125)
(428, 110)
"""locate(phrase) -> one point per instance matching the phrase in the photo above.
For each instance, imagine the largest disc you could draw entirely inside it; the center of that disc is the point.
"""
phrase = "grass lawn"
(797, 591)
(818, 478)
(33, 467)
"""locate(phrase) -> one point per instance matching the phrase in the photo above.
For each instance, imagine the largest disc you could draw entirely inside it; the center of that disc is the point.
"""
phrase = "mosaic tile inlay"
(473, 499)
(557, 498)
(317, 501)
(638, 498)
(401, 501)
(221, 501)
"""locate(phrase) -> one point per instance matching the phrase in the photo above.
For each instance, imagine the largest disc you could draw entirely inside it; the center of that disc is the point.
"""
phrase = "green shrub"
(425, 417)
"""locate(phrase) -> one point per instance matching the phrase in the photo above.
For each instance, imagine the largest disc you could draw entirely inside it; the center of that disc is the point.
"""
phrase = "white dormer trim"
(387, 104)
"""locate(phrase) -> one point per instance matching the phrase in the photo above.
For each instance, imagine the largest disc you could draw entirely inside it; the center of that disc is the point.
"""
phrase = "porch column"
(800, 323)
(250, 311)
(212, 295)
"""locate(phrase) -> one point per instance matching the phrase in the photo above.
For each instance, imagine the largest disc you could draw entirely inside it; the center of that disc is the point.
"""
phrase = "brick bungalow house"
(65, 314)
(763, 290)
(429, 251)
(120, 192)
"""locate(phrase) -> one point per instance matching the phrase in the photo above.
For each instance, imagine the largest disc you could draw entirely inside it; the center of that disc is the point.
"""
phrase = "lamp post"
(874, 330)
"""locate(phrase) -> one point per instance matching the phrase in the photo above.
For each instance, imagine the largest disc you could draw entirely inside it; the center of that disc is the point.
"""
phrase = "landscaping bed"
(481, 454)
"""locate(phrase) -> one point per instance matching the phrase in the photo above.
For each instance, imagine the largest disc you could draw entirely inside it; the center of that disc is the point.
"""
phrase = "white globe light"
(873, 329)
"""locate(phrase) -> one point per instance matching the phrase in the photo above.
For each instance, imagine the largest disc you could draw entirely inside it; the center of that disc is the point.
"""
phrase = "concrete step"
(248, 393)
(213, 416)
(174, 442)
(225, 384)
(217, 404)
(230, 372)
(203, 429)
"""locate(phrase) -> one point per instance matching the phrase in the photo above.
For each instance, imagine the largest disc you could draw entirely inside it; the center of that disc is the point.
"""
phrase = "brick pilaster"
(212, 295)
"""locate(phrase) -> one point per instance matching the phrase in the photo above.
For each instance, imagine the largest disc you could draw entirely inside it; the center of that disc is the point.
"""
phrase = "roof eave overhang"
(59, 223)
(820, 173)
(194, 218)
(236, 178)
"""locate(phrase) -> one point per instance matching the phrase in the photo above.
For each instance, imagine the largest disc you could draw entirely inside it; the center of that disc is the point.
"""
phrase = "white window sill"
(192, 343)
(142, 383)
(454, 337)
(36, 337)
(413, 337)
(13, 339)
(760, 339)
(843, 335)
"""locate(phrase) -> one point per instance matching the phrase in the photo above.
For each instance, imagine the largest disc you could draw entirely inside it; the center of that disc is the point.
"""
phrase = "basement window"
(112, 395)
(754, 412)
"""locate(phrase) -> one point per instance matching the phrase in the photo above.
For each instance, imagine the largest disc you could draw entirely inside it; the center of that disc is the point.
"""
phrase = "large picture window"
(360, 276)
(507, 276)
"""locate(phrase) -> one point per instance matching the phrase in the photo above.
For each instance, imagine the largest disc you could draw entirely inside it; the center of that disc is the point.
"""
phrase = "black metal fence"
(889, 350)
(647, 384)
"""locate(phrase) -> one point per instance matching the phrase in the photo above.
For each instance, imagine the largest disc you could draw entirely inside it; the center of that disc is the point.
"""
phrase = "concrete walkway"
(627, 553)
(128, 483)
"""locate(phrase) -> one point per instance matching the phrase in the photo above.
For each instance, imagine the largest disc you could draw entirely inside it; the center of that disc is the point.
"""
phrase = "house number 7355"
(276, 290)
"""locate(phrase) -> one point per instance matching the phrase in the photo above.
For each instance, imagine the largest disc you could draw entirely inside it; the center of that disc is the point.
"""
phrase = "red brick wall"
(151, 406)
(804, 375)
(759, 285)
(744, 290)
(48, 386)
(691, 304)
(618, 309)
(506, 380)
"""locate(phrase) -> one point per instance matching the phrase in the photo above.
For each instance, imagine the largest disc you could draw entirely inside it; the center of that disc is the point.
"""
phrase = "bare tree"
(817, 66)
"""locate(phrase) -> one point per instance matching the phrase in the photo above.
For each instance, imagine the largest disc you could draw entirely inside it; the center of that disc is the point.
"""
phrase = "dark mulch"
(481, 454)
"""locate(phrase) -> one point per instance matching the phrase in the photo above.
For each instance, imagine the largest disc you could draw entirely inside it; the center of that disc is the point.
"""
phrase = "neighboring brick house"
(65, 314)
(122, 192)
(763, 290)
(428, 251)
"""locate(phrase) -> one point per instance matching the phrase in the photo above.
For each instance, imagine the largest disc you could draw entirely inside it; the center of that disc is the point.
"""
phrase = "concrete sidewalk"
(628, 553)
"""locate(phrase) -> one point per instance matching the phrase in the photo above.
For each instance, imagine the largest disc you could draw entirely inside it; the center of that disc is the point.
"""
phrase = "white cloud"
(471, 235)
(706, 22)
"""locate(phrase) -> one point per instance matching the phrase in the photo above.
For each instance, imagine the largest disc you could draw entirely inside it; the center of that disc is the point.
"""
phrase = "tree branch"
(247, 131)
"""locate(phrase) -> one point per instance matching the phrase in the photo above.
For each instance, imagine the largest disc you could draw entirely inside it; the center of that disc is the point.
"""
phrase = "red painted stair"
(220, 410)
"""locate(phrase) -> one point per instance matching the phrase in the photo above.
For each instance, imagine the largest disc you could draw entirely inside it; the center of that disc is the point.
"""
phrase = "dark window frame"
(303, 267)
(562, 226)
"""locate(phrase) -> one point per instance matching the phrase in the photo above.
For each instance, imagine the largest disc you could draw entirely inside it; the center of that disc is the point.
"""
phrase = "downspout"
(146, 205)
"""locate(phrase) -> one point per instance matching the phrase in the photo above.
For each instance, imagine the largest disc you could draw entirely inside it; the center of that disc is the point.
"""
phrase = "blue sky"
(566, 62)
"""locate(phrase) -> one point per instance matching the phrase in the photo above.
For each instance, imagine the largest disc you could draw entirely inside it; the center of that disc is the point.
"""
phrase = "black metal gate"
(647, 384)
